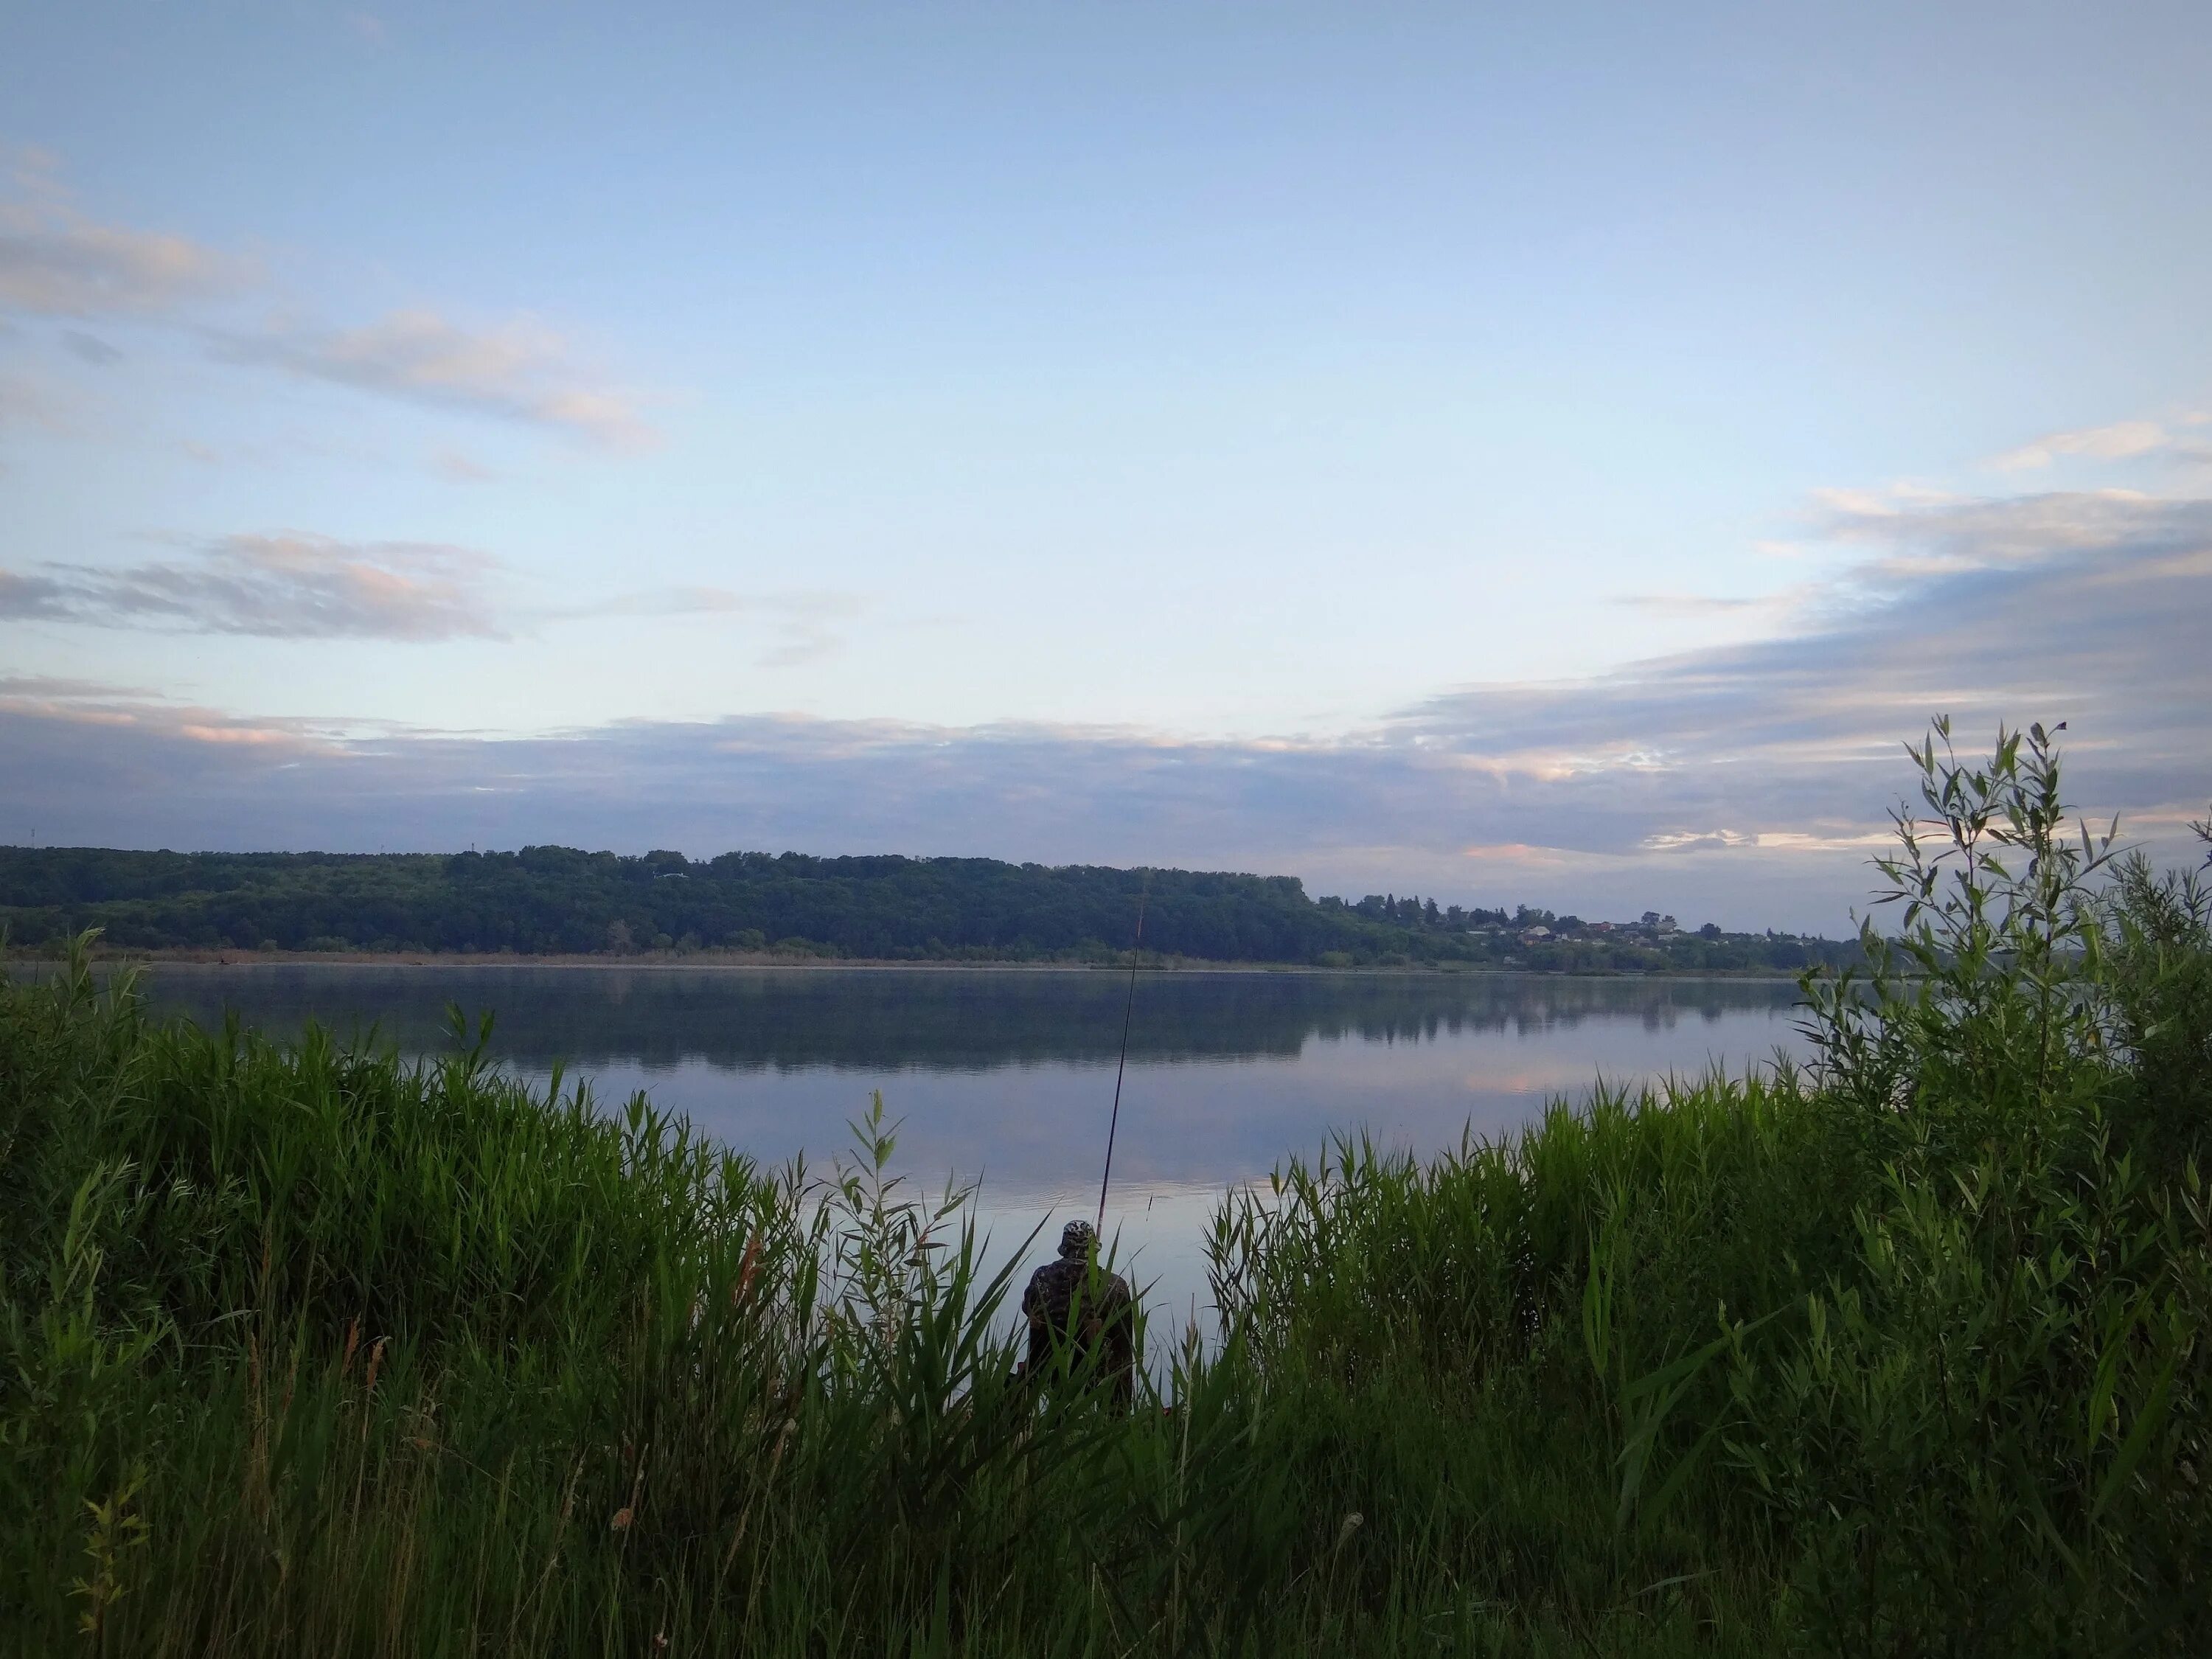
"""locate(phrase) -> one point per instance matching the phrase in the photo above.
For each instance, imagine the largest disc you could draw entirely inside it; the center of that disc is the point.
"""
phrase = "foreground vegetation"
(305, 1349)
(554, 899)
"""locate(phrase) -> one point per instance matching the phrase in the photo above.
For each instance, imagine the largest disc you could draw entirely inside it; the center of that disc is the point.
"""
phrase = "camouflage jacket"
(1059, 1302)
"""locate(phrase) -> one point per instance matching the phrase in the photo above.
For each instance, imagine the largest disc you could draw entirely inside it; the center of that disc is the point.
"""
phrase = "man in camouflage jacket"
(1073, 1301)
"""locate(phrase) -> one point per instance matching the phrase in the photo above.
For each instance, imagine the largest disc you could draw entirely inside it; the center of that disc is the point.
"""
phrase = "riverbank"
(753, 961)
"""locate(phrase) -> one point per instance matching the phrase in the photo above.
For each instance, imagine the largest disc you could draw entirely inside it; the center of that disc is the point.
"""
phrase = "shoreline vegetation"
(741, 962)
(306, 1348)
(556, 903)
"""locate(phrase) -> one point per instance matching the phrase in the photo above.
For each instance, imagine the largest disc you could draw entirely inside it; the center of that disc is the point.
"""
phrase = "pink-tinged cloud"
(56, 262)
(26, 404)
(296, 584)
(518, 370)
(290, 585)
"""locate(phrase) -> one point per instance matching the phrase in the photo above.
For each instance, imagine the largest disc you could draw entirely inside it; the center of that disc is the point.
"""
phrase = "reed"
(307, 1348)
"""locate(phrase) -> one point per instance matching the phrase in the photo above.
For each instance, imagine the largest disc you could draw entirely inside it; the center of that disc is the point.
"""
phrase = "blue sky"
(1547, 457)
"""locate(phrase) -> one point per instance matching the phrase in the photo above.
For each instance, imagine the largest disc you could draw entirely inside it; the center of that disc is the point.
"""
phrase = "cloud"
(55, 690)
(1746, 783)
(296, 584)
(90, 348)
(1771, 607)
(290, 585)
(73, 700)
(519, 370)
(2122, 440)
(2090, 609)
(1915, 540)
(805, 622)
(27, 402)
(57, 262)
(454, 467)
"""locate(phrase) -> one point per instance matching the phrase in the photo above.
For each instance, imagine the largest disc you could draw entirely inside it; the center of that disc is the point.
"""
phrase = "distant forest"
(556, 901)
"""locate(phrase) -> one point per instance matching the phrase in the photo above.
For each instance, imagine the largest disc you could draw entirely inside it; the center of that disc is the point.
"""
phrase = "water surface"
(1005, 1076)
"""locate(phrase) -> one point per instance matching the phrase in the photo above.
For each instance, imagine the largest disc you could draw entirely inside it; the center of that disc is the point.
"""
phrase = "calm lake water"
(1005, 1077)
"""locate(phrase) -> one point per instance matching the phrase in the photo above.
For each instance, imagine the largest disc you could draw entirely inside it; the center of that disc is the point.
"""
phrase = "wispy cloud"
(296, 584)
(290, 586)
(90, 348)
(1771, 608)
(804, 623)
(518, 370)
(29, 403)
(56, 261)
(2121, 440)
(454, 467)
(1913, 539)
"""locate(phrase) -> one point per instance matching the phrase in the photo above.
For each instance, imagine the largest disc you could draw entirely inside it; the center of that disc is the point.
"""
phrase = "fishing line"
(1128, 1007)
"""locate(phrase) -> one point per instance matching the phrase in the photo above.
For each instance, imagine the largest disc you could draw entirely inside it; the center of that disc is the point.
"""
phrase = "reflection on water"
(1005, 1076)
(868, 1019)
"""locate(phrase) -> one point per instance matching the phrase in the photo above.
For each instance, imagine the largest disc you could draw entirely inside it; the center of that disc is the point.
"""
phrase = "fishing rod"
(1128, 1007)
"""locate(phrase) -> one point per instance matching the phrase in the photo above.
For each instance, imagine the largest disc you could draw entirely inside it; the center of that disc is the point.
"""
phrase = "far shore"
(755, 960)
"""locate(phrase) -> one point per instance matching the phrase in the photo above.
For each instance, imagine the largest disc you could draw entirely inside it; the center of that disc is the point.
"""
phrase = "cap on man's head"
(1077, 1237)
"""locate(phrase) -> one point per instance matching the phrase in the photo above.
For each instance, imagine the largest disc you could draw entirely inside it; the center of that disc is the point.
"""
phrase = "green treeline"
(554, 899)
(305, 1349)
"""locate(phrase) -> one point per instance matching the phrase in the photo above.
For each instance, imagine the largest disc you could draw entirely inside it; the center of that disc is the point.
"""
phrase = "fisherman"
(1073, 1300)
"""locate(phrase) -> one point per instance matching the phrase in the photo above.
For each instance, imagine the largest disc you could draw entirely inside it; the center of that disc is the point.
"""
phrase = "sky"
(1538, 455)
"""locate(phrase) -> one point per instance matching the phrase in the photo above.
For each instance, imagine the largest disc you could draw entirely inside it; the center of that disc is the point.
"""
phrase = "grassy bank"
(305, 1349)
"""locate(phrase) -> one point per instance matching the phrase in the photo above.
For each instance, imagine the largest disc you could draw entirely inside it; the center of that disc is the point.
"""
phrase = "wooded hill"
(555, 900)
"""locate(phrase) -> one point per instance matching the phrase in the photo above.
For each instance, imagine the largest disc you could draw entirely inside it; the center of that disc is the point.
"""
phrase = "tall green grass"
(308, 1349)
